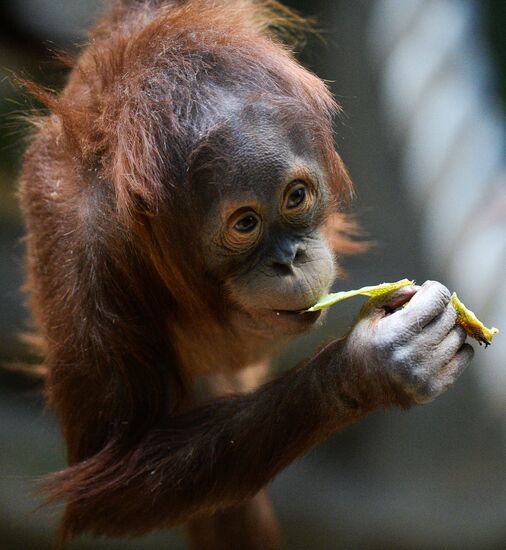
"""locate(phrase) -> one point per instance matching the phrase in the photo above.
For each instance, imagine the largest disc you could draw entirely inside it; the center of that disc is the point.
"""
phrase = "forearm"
(216, 455)
(253, 436)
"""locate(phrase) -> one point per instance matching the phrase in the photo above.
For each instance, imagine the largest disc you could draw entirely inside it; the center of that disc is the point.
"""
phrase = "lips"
(295, 319)
(273, 322)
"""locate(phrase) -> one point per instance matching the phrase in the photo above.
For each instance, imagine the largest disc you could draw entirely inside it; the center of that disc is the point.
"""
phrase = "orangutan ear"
(344, 235)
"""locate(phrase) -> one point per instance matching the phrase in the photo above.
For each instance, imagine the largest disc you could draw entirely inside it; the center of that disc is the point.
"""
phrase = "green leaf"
(371, 291)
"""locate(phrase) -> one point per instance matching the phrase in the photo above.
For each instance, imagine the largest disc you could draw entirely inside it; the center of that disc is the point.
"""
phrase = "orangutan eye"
(296, 197)
(246, 224)
(242, 230)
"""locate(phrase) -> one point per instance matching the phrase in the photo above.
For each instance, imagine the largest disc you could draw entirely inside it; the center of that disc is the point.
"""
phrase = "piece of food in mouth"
(375, 291)
(465, 317)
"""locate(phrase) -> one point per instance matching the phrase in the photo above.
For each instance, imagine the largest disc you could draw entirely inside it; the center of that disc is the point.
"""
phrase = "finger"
(426, 304)
(437, 330)
(456, 366)
(399, 297)
(450, 345)
(394, 300)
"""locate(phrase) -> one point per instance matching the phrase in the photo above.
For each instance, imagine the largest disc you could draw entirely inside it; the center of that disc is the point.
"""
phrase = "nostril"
(300, 254)
(287, 257)
(282, 268)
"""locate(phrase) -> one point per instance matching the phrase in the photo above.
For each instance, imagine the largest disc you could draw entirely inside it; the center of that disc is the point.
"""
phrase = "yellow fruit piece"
(465, 317)
(471, 324)
(371, 291)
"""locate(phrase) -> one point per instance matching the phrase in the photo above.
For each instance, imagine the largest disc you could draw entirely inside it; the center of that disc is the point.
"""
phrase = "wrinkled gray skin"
(418, 348)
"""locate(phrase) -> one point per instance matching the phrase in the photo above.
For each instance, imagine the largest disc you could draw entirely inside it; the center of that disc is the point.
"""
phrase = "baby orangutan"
(181, 209)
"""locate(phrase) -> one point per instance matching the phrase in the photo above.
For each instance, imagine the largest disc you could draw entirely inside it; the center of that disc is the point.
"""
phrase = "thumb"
(384, 305)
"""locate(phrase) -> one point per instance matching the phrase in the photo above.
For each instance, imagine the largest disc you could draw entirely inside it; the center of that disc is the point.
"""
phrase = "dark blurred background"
(423, 88)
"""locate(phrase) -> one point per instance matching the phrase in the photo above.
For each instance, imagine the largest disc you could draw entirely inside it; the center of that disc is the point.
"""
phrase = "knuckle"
(401, 357)
(424, 382)
(427, 344)
(390, 336)
(442, 292)
(413, 378)
(385, 342)
(402, 332)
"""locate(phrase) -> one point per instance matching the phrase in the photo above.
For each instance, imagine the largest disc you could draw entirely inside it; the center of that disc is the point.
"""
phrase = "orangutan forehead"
(277, 119)
(260, 144)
